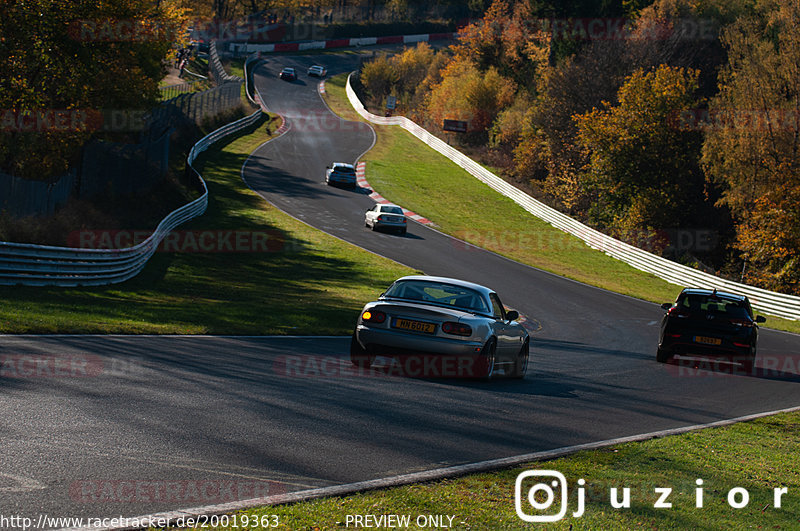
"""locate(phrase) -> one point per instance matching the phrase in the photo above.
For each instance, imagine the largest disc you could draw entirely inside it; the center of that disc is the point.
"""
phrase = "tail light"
(456, 329)
(677, 311)
(744, 323)
(373, 316)
(741, 345)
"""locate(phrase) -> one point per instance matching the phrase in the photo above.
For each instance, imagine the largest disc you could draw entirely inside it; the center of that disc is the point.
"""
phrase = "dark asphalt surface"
(135, 425)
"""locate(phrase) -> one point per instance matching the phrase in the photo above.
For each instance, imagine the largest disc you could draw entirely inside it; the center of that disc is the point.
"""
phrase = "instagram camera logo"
(555, 480)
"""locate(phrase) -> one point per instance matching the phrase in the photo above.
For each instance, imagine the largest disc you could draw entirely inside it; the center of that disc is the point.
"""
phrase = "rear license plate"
(707, 340)
(415, 326)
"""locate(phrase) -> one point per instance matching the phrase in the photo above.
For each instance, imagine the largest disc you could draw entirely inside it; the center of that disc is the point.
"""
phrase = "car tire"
(358, 354)
(402, 232)
(487, 359)
(521, 362)
(663, 356)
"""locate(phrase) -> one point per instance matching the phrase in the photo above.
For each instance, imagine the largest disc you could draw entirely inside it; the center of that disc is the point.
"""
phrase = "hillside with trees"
(672, 125)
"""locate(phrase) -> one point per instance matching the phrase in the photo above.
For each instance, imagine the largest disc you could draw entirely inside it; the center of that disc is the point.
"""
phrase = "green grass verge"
(312, 284)
(407, 172)
(758, 456)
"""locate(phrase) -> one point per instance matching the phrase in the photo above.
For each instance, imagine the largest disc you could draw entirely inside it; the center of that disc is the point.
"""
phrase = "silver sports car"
(443, 327)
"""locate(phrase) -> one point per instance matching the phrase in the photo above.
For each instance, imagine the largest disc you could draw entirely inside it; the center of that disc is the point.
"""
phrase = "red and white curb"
(321, 87)
(284, 126)
(361, 169)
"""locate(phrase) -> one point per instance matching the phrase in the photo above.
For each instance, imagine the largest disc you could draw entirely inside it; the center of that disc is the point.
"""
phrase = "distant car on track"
(288, 74)
(386, 217)
(341, 173)
(442, 318)
(709, 323)
(317, 70)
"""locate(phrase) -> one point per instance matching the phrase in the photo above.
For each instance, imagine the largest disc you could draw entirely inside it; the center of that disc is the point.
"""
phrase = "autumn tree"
(467, 94)
(78, 56)
(642, 169)
(752, 144)
(378, 77)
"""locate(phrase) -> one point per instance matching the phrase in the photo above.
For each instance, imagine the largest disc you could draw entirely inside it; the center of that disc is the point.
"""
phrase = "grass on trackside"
(407, 172)
(758, 456)
(311, 283)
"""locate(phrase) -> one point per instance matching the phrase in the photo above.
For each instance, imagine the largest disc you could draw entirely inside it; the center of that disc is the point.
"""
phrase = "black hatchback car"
(712, 323)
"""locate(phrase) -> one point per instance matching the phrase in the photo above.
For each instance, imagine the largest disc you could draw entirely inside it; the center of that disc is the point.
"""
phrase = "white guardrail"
(41, 265)
(769, 302)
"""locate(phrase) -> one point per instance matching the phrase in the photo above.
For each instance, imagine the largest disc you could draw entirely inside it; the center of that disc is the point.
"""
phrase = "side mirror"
(666, 306)
(761, 319)
(512, 315)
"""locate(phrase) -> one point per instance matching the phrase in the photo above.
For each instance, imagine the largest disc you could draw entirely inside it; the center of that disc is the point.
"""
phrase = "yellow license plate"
(415, 326)
(708, 340)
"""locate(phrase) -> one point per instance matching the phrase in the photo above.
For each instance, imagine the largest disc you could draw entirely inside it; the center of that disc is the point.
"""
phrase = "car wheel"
(358, 355)
(521, 363)
(663, 356)
(486, 360)
(402, 232)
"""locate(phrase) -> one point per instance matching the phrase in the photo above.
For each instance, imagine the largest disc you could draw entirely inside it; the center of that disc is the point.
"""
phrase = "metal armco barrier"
(41, 265)
(769, 302)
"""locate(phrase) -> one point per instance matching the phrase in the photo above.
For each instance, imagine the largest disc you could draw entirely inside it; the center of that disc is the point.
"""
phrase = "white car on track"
(342, 174)
(317, 70)
(386, 216)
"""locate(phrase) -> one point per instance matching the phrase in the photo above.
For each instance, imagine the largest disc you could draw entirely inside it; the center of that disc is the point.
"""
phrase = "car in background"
(709, 323)
(422, 317)
(317, 70)
(341, 174)
(288, 74)
(386, 217)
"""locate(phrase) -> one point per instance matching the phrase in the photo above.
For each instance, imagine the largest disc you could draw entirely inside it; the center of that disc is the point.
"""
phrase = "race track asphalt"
(146, 421)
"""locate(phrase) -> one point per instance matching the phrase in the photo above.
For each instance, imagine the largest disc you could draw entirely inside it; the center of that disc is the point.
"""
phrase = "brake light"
(741, 345)
(676, 311)
(373, 316)
(744, 323)
(380, 218)
(456, 329)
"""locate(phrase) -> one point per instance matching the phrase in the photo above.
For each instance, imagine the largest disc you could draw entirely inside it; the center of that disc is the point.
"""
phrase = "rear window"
(438, 293)
(718, 305)
(344, 169)
(391, 209)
